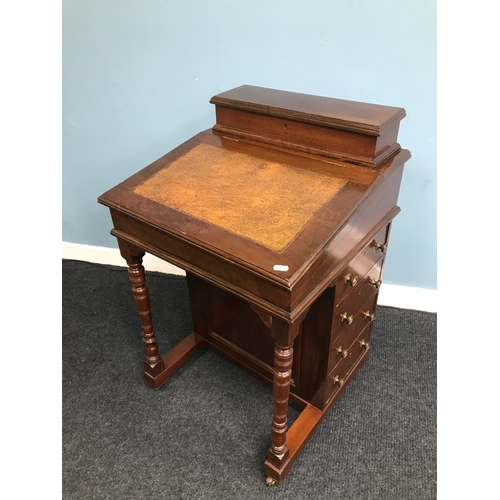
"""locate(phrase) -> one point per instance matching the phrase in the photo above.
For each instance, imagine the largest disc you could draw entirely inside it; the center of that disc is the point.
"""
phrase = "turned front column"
(153, 364)
(278, 454)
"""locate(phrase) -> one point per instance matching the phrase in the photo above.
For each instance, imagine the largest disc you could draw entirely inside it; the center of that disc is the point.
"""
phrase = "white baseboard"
(112, 257)
(407, 297)
(403, 297)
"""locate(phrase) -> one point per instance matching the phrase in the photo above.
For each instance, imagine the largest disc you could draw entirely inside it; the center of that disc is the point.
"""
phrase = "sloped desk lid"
(178, 193)
(264, 201)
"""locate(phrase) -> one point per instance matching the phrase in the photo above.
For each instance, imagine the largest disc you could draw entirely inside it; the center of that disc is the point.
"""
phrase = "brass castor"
(270, 481)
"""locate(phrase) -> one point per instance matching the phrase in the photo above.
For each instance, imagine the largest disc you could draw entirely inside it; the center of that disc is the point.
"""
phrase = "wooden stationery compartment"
(284, 119)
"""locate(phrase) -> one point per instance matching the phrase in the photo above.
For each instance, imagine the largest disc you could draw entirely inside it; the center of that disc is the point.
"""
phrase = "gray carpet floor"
(205, 433)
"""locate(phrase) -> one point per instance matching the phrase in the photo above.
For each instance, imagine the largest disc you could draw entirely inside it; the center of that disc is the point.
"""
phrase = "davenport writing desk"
(280, 216)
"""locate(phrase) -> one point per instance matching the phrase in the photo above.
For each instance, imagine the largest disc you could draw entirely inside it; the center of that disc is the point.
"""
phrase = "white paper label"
(279, 267)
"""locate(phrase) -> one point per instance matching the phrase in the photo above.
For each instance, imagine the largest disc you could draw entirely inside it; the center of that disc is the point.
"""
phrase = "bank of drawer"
(337, 378)
(343, 341)
(352, 275)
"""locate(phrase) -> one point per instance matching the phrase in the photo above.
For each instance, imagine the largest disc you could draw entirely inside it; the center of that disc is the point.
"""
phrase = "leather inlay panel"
(264, 201)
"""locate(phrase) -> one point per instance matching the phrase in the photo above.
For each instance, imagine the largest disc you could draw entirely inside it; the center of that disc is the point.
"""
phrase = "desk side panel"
(379, 207)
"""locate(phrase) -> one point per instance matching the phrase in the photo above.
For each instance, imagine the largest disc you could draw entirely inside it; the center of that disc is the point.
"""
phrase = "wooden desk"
(280, 215)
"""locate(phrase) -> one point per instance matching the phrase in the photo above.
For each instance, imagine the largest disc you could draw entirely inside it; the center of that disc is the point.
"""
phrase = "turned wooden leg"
(278, 455)
(153, 363)
(283, 357)
(157, 369)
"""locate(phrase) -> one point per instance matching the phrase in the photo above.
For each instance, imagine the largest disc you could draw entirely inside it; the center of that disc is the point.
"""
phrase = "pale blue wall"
(138, 75)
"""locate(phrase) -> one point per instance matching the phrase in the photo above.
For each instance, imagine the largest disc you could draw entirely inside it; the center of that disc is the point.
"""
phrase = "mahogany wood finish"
(153, 363)
(310, 123)
(294, 309)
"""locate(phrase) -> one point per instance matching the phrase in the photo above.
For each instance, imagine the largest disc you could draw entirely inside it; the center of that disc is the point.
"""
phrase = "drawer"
(342, 342)
(370, 283)
(353, 273)
(345, 312)
(337, 378)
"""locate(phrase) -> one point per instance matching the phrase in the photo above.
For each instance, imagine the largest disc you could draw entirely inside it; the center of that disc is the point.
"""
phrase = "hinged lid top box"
(361, 133)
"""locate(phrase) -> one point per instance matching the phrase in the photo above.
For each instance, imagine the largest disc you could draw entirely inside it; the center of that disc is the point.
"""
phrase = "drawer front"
(337, 378)
(370, 283)
(352, 275)
(343, 342)
(346, 311)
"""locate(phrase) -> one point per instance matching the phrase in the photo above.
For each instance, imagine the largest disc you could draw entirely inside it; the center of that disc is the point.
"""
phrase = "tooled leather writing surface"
(266, 202)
